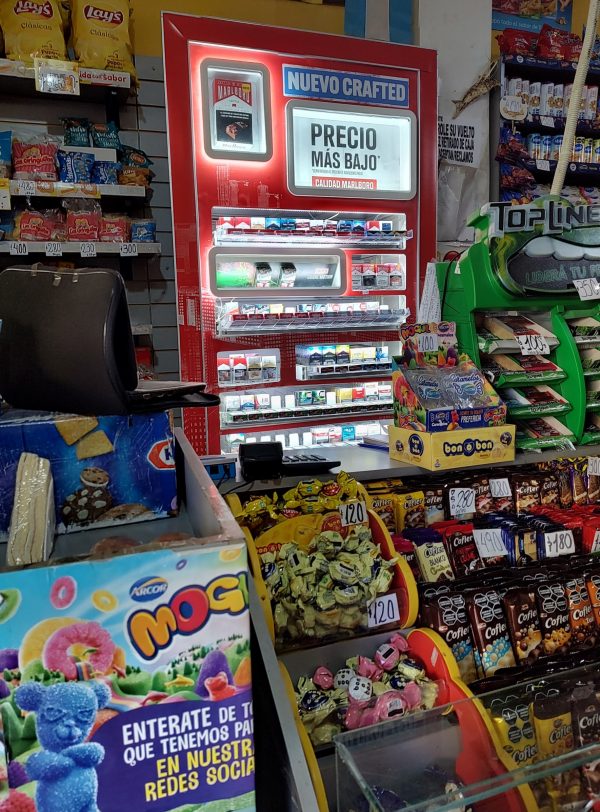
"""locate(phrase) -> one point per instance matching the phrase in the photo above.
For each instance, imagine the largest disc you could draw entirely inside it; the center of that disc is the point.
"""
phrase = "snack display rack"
(301, 240)
(537, 117)
(499, 277)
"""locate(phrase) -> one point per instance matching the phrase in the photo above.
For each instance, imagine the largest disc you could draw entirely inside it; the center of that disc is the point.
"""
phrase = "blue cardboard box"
(107, 470)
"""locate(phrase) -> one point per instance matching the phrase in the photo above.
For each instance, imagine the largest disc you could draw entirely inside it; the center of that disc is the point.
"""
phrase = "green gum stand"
(481, 282)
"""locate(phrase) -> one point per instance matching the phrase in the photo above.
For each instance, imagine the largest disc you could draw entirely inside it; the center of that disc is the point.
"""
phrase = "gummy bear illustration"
(65, 767)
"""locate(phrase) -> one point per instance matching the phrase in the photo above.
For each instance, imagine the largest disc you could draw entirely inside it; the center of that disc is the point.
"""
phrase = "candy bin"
(324, 565)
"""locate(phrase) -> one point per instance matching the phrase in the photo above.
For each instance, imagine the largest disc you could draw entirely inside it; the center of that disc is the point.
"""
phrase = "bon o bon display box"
(125, 683)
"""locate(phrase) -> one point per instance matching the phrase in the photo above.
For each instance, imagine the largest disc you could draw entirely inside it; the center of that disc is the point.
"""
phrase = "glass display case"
(530, 747)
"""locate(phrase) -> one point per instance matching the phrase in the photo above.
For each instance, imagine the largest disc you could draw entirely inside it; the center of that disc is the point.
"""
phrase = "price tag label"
(543, 165)
(593, 466)
(547, 121)
(353, 513)
(489, 542)
(428, 342)
(26, 188)
(87, 249)
(383, 610)
(587, 288)
(560, 542)
(596, 543)
(532, 344)
(54, 249)
(500, 488)
(128, 249)
(462, 500)
(4, 194)
(18, 249)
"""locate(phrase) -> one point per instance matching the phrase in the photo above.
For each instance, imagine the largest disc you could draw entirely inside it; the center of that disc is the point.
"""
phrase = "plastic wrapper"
(29, 33)
(34, 158)
(135, 176)
(83, 220)
(105, 136)
(515, 177)
(45, 225)
(77, 132)
(75, 167)
(511, 147)
(5, 153)
(114, 228)
(105, 172)
(517, 43)
(32, 521)
(132, 156)
(554, 43)
(101, 38)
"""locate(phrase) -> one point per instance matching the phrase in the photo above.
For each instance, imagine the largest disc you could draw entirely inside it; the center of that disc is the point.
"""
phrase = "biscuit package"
(101, 35)
(33, 28)
(106, 471)
(162, 665)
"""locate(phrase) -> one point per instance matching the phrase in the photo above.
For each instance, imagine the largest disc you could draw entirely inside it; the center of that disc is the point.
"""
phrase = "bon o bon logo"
(186, 612)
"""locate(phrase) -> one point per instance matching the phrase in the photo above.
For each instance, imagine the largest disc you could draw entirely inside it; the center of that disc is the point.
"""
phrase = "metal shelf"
(551, 65)
(17, 79)
(392, 321)
(346, 370)
(37, 188)
(287, 239)
(308, 414)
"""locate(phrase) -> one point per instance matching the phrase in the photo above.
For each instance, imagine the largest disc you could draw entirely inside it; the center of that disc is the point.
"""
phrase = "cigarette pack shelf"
(525, 287)
(311, 279)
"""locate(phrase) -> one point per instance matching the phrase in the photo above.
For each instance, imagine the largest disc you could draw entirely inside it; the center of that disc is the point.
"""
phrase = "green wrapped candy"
(319, 563)
(309, 617)
(325, 598)
(280, 617)
(297, 562)
(347, 595)
(380, 688)
(323, 734)
(352, 618)
(343, 573)
(329, 542)
(410, 668)
(286, 550)
(329, 618)
(429, 693)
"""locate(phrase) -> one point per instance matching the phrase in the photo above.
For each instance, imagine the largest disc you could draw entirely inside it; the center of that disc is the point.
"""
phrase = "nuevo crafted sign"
(340, 150)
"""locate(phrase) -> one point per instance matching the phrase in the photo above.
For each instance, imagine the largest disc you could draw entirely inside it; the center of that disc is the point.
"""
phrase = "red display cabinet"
(303, 173)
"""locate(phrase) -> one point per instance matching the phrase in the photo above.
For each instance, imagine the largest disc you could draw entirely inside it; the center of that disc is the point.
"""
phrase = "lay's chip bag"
(101, 36)
(33, 28)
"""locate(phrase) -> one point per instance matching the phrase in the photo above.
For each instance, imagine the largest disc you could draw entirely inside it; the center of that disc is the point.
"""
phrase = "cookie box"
(441, 451)
(106, 470)
(127, 682)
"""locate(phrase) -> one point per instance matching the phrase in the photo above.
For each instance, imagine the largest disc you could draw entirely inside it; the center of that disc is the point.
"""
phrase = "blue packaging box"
(107, 470)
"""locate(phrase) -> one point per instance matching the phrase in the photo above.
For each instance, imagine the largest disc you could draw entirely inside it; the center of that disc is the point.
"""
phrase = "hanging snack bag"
(34, 158)
(101, 37)
(33, 28)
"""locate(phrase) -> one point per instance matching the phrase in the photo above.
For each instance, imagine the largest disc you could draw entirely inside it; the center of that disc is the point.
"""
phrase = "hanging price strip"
(54, 249)
(383, 610)
(500, 488)
(428, 342)
(593, 466)
(587, 289)
(128, 249)
(559, 542)
(489, 542)
(18, 249)
(547, 121)
(532, 344)
(353, 513)
(87, 249)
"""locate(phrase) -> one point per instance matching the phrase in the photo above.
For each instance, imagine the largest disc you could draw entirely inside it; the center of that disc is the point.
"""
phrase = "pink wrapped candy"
(412, 695)
(367, 668)
(399, 642)
(389, 704)
(323, 678)
(387, 656)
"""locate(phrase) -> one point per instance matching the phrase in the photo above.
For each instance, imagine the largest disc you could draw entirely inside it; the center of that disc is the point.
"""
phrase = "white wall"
(460, 31)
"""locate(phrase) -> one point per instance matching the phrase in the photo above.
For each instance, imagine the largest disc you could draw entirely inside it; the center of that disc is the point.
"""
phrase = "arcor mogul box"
(127, 683)
(106, 470)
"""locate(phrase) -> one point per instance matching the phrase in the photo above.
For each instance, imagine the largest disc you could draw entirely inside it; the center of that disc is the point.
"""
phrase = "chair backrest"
(65, 340)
